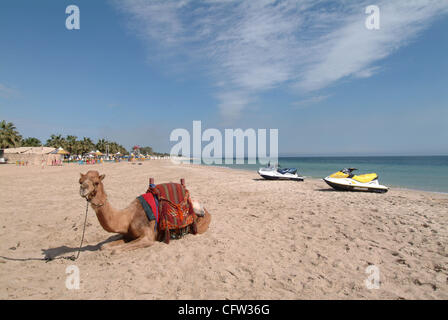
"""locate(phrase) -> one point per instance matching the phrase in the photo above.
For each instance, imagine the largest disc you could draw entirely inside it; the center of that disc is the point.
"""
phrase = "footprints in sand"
(431, 285)
(267, 240)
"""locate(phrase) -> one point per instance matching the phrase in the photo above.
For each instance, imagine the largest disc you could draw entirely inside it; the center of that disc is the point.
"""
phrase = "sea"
(428, 173)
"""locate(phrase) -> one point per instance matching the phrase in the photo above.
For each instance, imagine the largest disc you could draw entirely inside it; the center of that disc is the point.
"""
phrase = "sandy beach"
(267, 239)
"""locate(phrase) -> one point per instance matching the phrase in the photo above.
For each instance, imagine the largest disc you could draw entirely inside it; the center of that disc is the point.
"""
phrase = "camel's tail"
(203, 223)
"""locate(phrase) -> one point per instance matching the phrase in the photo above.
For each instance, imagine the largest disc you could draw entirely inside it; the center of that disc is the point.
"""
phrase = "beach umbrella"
(60, 151)
(98, 153)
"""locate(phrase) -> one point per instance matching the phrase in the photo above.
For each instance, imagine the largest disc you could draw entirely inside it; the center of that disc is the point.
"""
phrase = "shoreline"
(317, 178)
(395, 187)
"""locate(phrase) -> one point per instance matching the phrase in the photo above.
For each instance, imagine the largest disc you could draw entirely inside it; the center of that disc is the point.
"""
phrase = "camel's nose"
(82, 190)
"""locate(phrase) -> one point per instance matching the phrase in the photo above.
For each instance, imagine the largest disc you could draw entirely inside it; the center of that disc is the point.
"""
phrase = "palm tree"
(9, 136)
(71, 144)
(113, 147)
(86, 145)
(102, 145)
(122, 149)
(31, 142)
(56, 141)
(146, 150)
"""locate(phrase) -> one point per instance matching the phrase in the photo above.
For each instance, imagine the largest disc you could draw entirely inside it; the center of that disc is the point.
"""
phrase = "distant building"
(34, 155)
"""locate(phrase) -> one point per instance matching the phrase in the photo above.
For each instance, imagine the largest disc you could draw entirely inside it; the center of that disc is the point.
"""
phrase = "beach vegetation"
(56, 141)
(9, 136)
(146, 150)
(31, 142)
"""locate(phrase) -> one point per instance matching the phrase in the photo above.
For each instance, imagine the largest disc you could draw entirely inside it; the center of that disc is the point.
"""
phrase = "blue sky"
(136, 70)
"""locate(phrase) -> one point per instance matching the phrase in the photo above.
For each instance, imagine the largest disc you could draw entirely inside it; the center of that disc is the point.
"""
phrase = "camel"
(131, 222)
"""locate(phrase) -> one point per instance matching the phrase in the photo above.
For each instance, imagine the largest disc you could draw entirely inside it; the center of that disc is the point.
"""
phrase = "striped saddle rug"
(176, 216)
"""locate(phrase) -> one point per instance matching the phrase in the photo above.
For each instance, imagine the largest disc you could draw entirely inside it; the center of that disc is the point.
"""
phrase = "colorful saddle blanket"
(174, 209)
(151, 207)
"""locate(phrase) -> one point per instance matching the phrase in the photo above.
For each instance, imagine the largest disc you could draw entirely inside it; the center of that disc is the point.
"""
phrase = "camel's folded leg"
(111, 244)
(141, 242)
(202, 223)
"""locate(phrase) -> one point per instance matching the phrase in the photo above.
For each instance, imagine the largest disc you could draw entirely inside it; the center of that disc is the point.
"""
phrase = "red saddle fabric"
(175, 209)
(149, 198)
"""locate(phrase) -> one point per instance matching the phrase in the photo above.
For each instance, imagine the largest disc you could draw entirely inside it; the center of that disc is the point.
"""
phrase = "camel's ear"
(102, 177)
(81, 175)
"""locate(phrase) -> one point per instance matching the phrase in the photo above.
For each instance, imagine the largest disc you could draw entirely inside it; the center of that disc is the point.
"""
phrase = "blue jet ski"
(275, 173)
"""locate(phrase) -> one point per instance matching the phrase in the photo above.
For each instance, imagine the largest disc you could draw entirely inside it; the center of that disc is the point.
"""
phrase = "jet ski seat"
(287, 170)
(339, 174)
(364, 178)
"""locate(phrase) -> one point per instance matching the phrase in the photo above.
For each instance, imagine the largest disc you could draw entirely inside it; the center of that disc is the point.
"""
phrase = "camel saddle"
(172, 209)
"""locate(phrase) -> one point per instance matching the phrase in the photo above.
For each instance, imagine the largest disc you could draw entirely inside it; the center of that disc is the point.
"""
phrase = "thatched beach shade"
(95, 153)
(60, 151)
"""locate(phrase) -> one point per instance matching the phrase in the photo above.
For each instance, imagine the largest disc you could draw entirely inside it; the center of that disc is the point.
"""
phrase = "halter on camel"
(92, 195)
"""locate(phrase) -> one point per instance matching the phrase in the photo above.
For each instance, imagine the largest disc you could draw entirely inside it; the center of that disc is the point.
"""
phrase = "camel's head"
(89, 183)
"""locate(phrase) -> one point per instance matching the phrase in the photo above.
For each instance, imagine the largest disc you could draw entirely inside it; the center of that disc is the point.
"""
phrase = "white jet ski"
(346, 180)
(275, 173)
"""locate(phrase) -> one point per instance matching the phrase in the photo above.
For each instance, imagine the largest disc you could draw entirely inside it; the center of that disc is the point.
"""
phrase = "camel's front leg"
(112, 244)
(141, 242)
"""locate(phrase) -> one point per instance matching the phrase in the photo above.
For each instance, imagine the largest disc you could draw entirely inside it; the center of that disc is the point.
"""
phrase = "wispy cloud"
(351, 50)
(248, 47)
(309, 101)
(7, 92)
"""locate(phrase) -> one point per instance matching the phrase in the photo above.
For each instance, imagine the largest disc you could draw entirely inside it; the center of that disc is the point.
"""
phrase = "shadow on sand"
(57, 253)
(282, 180)
(53, 253)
